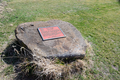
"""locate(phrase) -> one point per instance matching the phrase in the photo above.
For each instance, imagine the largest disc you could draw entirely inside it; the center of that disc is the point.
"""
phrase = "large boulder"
(71, 46)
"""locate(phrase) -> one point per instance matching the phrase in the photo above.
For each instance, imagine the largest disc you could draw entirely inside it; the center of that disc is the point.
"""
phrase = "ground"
(97, 20)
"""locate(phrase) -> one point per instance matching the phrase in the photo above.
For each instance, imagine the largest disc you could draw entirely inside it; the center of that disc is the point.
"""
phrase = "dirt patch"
(3, 66)
(3, 47)
(7, 77)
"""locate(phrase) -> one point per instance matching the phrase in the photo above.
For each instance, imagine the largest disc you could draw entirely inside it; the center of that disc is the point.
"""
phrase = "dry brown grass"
(47, 69)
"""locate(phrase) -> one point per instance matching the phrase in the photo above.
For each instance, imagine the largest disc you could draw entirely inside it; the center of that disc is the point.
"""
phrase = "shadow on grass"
(9, 55)
(12, 56)
(119, 1)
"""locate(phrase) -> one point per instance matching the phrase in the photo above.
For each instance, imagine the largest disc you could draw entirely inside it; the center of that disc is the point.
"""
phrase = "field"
(97, 20)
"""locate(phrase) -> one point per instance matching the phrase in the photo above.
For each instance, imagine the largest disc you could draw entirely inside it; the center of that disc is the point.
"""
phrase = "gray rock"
(72, 46)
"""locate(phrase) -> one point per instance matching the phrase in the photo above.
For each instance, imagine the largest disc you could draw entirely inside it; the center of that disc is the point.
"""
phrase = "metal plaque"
(51, 32)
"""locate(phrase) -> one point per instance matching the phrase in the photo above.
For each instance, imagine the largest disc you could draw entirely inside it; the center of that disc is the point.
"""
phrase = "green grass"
(97, 20)
(7, 71)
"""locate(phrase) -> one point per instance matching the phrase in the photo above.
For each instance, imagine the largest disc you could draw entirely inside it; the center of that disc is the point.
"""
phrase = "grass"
(97, 20)
(8, 70)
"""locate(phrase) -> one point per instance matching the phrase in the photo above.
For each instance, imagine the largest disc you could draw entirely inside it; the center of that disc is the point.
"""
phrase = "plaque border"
(51, 38)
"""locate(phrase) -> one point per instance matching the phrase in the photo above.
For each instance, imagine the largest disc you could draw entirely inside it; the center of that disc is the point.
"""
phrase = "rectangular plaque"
(51, 32)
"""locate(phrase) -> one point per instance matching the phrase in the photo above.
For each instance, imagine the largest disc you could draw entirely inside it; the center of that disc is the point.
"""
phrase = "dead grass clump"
(49, 70)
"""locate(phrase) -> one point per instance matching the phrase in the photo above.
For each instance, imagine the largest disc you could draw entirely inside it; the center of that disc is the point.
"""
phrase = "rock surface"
(72, 46)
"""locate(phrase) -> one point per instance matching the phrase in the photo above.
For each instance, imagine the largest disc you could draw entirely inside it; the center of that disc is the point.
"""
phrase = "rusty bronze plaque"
(51, 32)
